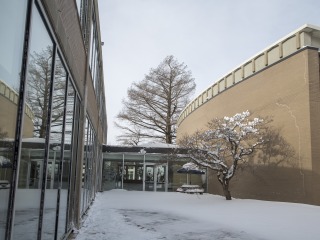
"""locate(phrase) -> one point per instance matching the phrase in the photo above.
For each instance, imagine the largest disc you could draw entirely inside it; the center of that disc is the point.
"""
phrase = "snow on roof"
(157, 145)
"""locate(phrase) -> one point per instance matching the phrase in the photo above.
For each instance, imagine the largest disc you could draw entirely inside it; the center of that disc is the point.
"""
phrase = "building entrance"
(144, 168)
(139, 176)
(156, 177)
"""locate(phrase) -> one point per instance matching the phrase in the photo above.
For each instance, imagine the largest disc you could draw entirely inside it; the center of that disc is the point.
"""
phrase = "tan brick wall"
(288, 92)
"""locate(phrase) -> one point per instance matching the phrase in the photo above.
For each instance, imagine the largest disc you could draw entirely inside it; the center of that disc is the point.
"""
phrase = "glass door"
(149, 178)
(156, 177)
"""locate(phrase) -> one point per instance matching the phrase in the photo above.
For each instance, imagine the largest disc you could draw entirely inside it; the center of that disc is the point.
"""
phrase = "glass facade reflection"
(12, 14)
(89, 163)
(49, 150)
(35, 159)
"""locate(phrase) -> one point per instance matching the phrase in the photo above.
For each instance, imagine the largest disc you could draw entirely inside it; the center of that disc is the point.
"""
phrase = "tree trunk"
(168, 138)
(226, 191)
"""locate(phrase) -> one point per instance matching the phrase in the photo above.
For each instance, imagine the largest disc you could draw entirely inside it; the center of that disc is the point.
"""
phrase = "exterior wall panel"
(273, 55)
(289, 46)
(215, 90)
(238, 75)
(259, 63)
(229, 80)
(248, 69)
(222, 85)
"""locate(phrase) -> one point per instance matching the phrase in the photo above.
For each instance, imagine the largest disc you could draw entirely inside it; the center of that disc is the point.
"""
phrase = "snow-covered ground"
(128, 215)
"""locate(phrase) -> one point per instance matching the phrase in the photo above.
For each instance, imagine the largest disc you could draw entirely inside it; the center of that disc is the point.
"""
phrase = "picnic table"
(187, 188)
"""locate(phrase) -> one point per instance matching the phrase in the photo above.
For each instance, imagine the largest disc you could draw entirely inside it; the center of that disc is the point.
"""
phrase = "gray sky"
(211, 36)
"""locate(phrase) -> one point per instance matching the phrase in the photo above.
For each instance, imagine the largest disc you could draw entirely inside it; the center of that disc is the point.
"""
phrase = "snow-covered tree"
(226, 143)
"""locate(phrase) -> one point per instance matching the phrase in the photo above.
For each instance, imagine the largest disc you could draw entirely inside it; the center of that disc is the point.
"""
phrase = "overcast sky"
(212, 37)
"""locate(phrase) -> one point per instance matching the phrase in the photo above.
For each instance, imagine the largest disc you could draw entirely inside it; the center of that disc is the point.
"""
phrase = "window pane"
(12, 23)
(34, 130)
(66, 161)
(55, 163)
(84, 167)
(79, 7)
(73, 136)
(91, 45)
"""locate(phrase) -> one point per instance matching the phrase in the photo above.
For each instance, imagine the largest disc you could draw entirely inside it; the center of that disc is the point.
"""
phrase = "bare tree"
(226, 143)
(153, 105)
(131, 135)
(38, 94)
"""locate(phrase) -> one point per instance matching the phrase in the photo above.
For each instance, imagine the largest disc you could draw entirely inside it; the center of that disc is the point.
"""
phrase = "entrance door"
(35, 170)
(156, 177)
(34, 174)
(132, 176)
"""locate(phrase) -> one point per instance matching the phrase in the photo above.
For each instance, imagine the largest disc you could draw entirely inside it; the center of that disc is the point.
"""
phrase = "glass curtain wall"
(89, 167)
(84, 167)
(72, 122)
(92, 46)
(70, 147)
(89, 185)
(99, 169)
(57, 162)
(157, 172)
(41, 202)
(94, 60)
(33, 162)
(12, 24)
(82, 7)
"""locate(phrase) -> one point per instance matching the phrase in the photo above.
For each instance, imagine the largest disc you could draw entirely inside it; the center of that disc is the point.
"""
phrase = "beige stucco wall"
(289, 92)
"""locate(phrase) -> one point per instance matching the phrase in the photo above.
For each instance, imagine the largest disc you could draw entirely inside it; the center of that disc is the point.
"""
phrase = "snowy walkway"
(130, 215)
